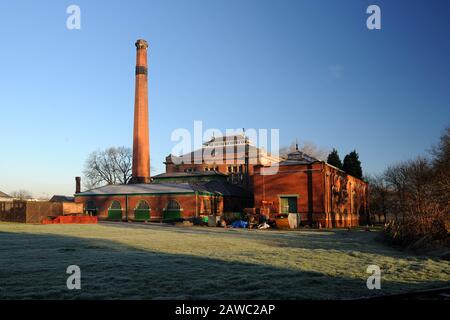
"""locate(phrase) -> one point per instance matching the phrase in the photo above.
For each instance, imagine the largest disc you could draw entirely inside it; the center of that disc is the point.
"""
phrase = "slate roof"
(140, 188)
(223, 188)
(189, 174)
(59, 198)
(297, 157)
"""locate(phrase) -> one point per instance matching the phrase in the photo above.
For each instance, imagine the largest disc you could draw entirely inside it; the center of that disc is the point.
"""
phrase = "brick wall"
(191, 204)
(35, 211)
(324, 194)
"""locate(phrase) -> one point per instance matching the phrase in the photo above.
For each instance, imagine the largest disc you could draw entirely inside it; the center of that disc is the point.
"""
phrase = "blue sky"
(310, 68)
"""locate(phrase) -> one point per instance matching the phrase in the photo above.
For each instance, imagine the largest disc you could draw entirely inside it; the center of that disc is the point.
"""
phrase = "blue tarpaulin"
(239, 224)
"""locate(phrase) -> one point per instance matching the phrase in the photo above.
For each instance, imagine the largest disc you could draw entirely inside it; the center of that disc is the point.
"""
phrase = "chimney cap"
(141, 44)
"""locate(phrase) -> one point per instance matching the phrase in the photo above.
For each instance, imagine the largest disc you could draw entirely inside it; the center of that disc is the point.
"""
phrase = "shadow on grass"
(34, 267)
(338, 240)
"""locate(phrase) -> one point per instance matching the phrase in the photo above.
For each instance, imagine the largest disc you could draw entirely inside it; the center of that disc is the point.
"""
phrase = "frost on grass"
(123, 261)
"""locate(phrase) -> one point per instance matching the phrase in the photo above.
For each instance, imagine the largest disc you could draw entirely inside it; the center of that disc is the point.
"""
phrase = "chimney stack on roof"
(77, 184)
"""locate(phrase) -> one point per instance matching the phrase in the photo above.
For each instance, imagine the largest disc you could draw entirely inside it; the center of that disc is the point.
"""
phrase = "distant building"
(235, 156)
(59, 198)
(5, 197)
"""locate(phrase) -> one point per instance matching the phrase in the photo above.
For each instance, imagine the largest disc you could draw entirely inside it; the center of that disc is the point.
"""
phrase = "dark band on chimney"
(141, 70)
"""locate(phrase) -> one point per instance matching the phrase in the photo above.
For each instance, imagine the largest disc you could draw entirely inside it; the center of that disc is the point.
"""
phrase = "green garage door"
(115, 211)
(142, 211)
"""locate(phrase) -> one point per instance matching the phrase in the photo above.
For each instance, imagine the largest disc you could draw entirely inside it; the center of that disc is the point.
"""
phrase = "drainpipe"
(126, 207)
(196, 203)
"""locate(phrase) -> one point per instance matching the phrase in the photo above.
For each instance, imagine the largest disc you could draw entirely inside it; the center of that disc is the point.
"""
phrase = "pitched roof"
(140, 188)
(298, 157)
(189, 174)
(223, 188)
(60, 198)
(4, 195)
(222, 155)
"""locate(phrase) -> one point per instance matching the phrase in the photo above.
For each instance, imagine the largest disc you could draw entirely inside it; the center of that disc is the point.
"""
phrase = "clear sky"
(310, 68)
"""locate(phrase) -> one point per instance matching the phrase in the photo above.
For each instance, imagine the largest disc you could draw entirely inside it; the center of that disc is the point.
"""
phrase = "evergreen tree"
(334, 160)
(352, 165)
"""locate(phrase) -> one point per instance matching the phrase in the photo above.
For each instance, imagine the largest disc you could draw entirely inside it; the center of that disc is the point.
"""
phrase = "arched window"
(142, 205)
(172, 211)
(173, 205)
(115, 211)
(115, 205)
(142, 211)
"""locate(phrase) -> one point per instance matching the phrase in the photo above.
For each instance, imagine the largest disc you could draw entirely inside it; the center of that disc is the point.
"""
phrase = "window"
(173, 205)
(142, 205)
(142, 211)
(288, 205)
(115, 211)
(115, 205)
(90, 207)
(206, 205)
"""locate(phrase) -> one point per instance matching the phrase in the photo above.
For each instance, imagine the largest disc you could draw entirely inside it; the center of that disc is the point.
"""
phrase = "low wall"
(36, 211)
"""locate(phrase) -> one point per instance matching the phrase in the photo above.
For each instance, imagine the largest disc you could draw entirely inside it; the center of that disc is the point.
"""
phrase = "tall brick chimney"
(141, 148)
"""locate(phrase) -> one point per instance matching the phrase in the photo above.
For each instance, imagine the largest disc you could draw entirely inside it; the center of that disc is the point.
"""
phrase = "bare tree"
(21, 194)
(396, 178)
(423, 215)
(307, 147)
(110, 166)
(379, 196)
(123, 160)
(441, 163)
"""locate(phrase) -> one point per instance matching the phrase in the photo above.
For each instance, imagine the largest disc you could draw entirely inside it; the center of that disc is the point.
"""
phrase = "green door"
(142, 211)
(172, 211)
(115, 211)
(288, 204)
(171, 215)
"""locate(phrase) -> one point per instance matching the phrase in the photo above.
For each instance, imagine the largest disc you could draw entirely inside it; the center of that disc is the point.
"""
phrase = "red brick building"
(318, 192)
(162, 201)
(146, 199)
(226, 175)
(234, 155)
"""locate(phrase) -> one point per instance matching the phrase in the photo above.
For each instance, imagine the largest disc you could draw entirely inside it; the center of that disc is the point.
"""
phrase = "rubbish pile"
(250, 220)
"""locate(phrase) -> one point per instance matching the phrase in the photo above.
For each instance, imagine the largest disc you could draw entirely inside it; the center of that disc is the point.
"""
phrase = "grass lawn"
(136, 261)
